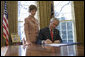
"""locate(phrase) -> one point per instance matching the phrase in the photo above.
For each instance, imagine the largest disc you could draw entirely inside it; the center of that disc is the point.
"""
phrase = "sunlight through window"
(63, 11)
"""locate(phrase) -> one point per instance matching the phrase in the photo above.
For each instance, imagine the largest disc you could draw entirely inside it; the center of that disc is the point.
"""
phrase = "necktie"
(52, 34)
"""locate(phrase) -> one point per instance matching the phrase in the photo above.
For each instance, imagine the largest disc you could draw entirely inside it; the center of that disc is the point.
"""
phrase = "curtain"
(44, 13)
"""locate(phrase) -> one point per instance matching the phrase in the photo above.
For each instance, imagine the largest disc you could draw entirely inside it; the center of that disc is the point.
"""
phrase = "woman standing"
(31, 27)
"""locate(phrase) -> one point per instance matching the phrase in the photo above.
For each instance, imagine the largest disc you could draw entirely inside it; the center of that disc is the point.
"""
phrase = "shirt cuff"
(43, 41)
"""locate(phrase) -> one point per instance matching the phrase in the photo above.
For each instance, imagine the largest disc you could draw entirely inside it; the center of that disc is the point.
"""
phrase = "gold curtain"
(44, 13)
(12, 17)
(12, 8)
(2, 10)
(79, 19)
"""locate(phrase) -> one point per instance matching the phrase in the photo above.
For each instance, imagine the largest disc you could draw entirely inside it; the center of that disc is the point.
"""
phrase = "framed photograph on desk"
(15, 38)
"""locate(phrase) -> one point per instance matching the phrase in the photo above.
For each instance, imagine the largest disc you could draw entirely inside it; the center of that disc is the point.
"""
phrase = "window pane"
(63, 26)
(64, 35)
(70, 35)
(58, 27)
(69, 25)
(70, 41)
(64, 41)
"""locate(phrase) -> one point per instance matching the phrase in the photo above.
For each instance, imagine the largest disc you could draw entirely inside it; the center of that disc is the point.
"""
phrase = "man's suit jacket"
(45, 34)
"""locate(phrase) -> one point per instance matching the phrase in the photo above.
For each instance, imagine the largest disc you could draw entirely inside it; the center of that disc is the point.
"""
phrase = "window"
(22, 14)
(63, 10)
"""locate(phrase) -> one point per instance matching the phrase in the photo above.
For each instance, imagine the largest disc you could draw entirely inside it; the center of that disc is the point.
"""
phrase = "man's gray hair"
(52, 19)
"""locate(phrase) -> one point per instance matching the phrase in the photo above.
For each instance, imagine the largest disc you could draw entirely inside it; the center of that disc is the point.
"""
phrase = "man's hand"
(56, 41)
(48, 41)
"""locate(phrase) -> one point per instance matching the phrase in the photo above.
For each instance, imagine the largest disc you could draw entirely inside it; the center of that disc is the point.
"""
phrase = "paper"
(61, 44)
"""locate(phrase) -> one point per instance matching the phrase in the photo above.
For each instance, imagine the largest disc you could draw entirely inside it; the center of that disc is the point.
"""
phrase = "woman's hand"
(28, 43)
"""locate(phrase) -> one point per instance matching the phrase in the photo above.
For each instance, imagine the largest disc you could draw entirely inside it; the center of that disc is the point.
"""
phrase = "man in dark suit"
(49, 34)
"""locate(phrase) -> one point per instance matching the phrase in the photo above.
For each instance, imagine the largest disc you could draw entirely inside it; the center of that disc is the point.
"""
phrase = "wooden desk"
(39, 50)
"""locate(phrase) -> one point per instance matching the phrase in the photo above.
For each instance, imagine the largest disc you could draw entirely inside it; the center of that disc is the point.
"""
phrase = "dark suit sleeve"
(58, 36)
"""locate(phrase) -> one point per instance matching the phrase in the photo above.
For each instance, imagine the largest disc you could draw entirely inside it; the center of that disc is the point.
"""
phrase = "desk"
(40, 50)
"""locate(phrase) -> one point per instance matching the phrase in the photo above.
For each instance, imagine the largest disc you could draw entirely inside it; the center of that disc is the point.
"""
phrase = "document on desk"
(60, 44)
(54, 44)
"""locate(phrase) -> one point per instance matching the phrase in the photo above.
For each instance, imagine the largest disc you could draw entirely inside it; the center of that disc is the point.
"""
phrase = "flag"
(52, 10)
(5, 24)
